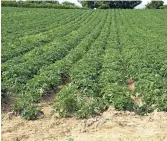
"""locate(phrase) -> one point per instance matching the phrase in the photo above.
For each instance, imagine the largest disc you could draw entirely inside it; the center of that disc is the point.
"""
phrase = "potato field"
(88, 58)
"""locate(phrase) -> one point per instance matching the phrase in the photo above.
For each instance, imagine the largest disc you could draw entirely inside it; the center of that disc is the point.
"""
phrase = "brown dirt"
(111, 125)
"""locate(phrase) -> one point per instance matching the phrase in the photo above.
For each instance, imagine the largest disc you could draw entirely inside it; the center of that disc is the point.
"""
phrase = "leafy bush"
(111, 4)
(118, 96)
(27, 110)
(90, 106)
(66, 104)
(68, 3)
(155, 4)
(69, 102)
(30, 112)
(163, 7)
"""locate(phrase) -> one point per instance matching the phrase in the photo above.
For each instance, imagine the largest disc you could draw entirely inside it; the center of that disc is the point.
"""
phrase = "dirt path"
(111, 125)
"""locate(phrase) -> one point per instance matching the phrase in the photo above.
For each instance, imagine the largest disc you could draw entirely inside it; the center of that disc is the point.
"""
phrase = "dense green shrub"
(118, 96)
(66, 104)
(30, 112)
(68, 3)
(27, 110)
(155, 4)
(163, 7)
(111, 4)
(70, 101)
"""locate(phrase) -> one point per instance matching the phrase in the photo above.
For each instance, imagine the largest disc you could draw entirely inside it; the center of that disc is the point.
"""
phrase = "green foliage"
(30, 113)
(90, 54)
(70, 139)
(118, 96)
(27, 110)
(155, 4)
(35, 4)
(111, 4)
(4, 94)
(90, 106)
(70, 102)
(68, 3)
(163, 7)
(67, 102)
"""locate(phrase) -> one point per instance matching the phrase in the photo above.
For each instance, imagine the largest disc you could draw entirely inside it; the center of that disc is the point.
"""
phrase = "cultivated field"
(87, 59)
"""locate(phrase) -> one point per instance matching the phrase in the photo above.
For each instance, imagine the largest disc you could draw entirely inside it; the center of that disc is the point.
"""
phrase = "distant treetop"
(111, 4)
(155, 4)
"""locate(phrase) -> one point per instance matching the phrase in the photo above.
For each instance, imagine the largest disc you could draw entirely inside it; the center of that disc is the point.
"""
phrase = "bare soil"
(110, 126)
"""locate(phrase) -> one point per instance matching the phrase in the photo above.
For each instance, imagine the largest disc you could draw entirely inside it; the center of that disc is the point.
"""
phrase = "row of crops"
(88, 55)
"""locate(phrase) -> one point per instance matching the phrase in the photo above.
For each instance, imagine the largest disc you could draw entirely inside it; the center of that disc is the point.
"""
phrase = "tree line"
(111, 4)
(128, 4)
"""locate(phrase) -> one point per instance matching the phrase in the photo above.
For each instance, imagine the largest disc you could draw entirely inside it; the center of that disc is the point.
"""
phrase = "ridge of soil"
(111, 125)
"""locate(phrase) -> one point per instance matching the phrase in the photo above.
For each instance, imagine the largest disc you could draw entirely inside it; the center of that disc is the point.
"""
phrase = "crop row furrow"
(144, 26)
(114, 74)
(51, 76)
(39, 23)
(34, 94)
(23, 45)
(22, 72)
(149, 73)
(84, 76)
(37, 52)
(43, 47)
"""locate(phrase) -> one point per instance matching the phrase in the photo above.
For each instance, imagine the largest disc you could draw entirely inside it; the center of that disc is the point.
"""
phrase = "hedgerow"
(38, 5)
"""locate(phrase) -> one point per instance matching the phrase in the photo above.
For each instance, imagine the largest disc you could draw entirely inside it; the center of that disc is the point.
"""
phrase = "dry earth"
(110, 126)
